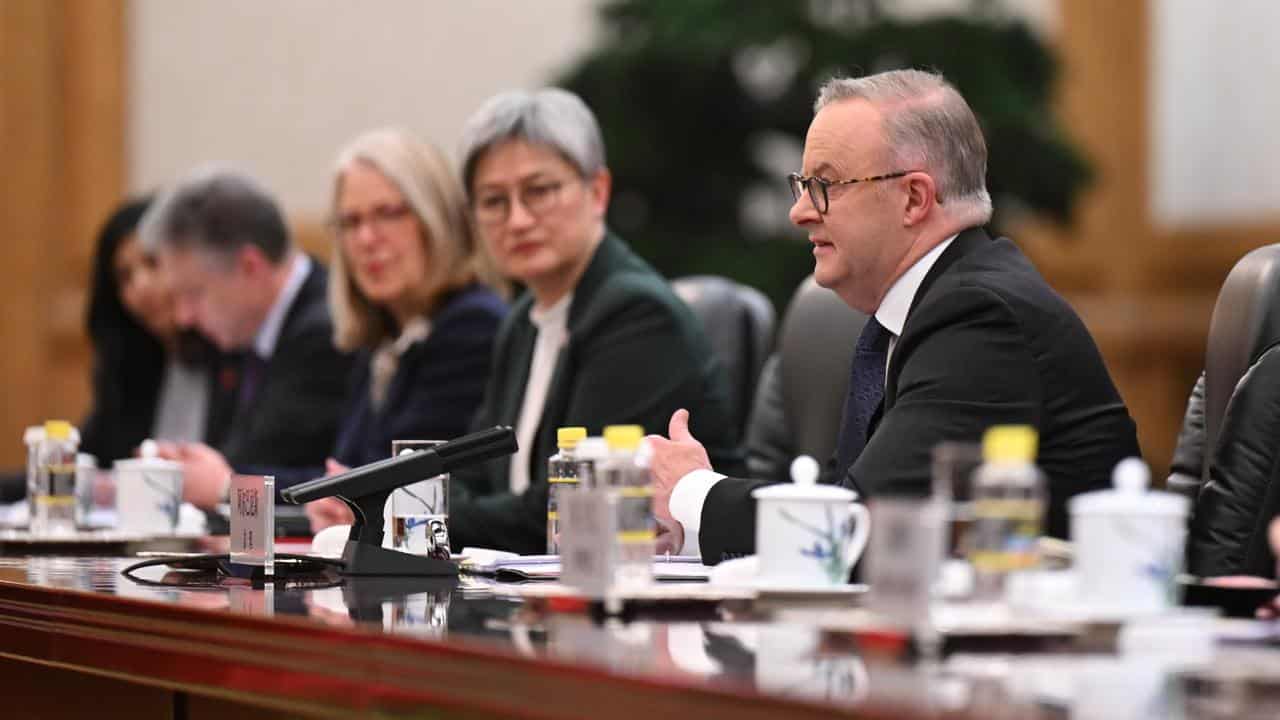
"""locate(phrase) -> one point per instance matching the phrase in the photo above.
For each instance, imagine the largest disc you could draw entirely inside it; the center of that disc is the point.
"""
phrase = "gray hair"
(551, 117)
(218, 211)
(927, 123)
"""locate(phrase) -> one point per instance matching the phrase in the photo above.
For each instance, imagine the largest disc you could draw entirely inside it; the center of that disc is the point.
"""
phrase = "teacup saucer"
(744, 573)
(1088, 613)
(765, 586)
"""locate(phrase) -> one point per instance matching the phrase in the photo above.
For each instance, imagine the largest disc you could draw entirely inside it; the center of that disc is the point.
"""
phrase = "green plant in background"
(704, 105)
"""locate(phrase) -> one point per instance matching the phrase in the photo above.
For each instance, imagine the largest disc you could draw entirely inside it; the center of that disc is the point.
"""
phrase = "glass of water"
(417, 515)
(953, 468)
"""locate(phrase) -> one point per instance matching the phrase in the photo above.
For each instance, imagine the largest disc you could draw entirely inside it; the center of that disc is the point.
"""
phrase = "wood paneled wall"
(62, 135)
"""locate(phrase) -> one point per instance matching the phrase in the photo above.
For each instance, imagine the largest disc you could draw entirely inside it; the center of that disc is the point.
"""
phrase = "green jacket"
(635, 355)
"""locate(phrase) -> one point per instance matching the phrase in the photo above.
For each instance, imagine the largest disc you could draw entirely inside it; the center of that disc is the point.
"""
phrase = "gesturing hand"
(671, 460)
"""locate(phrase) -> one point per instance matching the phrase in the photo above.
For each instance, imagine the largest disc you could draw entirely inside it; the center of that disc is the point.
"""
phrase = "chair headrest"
(815, 346)
(1245, 322)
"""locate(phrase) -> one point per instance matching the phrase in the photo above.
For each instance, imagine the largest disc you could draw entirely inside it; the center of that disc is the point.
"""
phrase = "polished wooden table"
(78, 639)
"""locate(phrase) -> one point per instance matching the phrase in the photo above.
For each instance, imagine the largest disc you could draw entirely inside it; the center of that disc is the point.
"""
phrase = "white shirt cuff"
(687, 498)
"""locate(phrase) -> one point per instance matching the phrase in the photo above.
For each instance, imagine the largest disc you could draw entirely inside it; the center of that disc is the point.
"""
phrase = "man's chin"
(825, 275)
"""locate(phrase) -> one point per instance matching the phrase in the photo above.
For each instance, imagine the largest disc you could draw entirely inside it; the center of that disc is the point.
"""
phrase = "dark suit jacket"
(635, 354)
(292, 419)
(438, 384)
(116, 426)
(986, 342)
(1228, 530)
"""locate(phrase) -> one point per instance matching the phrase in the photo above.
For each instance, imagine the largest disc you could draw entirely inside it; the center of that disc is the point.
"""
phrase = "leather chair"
(1231, 424)
(739, 322)
(1245, 322)
(801, 392)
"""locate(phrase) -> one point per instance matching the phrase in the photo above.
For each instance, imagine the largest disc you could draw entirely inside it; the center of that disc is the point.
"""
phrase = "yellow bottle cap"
(57, 429)
(568, 437)
(1009, 443)
(623, 437)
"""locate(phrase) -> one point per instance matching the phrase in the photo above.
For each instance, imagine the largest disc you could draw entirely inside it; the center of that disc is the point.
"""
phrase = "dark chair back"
(1246, 321)
(797, 410)
(739, 322)
(1232, 420)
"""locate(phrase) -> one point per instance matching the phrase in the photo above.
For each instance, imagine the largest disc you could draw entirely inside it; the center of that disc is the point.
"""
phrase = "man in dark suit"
(224, 246)
(964, 332)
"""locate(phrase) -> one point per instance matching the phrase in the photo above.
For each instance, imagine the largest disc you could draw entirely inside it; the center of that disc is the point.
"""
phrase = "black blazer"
(986, 342)
(635, 355)
(292, 419)
(1228, 533)
(438, 384)
(116, 426)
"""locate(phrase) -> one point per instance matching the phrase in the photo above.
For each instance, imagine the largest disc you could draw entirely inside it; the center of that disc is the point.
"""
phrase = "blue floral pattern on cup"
(828, 546)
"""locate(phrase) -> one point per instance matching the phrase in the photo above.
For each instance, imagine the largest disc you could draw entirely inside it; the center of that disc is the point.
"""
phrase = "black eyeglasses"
(539, 198)
(817, 187)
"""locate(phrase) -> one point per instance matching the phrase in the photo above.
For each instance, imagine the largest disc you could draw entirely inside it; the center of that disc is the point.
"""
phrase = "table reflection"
(795, 659)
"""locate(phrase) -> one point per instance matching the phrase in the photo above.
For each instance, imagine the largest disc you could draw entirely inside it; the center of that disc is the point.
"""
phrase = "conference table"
(80, 639)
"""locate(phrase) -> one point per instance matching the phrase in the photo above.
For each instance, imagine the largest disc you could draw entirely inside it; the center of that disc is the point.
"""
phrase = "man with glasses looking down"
(963, 332)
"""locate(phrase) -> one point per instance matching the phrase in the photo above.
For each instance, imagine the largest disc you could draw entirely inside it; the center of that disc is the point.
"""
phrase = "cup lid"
(149, 459)
(146, 463)
(804, 486)
(1130, 496)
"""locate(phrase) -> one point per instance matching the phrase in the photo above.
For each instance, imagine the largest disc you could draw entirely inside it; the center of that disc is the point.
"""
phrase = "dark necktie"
(252, 371)
(866, 392)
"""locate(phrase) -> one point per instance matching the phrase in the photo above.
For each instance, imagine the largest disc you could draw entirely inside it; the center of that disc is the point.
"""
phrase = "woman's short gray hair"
(928, 125)
(551, 117)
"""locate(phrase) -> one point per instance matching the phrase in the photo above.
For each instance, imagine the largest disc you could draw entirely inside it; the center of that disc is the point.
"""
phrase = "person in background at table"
(237, 278)
(964, 333)
(599, 338)
(150, 378)
(411, 295)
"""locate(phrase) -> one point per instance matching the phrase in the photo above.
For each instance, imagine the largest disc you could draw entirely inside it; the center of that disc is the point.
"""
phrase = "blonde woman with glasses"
(411, 295)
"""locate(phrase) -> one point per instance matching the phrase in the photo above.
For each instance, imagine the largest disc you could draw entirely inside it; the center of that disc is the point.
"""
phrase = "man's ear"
(922, 196)
(251, 261)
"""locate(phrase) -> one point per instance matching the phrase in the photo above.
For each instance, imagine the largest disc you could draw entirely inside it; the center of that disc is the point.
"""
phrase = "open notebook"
(516, 568)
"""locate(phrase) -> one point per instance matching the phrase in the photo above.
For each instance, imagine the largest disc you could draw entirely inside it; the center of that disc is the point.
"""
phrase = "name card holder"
(253, 525)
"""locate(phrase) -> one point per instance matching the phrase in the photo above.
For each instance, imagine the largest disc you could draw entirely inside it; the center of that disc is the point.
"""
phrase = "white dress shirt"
(264, 343)
(553, 333)
(183, 403)
(690, 492)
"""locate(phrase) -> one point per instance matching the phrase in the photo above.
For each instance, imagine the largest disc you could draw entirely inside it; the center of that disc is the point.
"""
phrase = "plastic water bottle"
(1009, 498)
(562, 478)
(588, 555)
(32, 437)
(625, 474)
(55, 497)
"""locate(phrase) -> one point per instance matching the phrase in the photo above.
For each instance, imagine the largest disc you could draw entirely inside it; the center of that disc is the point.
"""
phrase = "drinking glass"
(417, 514)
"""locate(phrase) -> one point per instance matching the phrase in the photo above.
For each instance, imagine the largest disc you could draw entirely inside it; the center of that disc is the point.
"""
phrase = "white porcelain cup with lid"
(1129, 543)
(808, 535)
(148, 493)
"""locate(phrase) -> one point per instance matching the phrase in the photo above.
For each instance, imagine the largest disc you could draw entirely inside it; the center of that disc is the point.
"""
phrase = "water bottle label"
(635, 515)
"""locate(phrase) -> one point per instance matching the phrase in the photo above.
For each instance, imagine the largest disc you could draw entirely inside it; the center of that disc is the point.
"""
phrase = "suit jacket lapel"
(516, 356)
(609, 256)
(965, 242)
